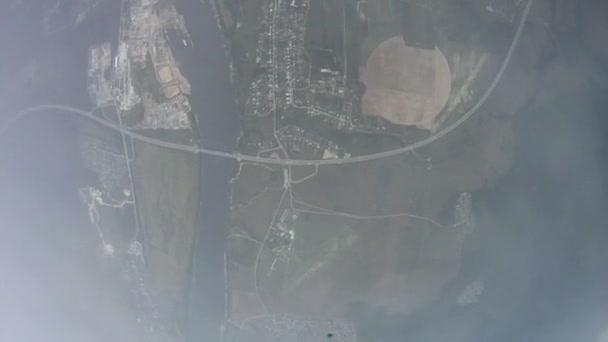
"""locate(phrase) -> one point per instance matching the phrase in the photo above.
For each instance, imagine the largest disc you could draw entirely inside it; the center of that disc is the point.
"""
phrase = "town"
(143, 80)
(289, 90)
(139, 87)
(135, 84)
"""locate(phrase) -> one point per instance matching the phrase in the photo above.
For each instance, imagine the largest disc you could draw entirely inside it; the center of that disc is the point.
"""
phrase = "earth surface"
(495, 232)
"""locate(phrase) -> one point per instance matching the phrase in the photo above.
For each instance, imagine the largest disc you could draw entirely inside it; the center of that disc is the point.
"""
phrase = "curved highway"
(286, 162)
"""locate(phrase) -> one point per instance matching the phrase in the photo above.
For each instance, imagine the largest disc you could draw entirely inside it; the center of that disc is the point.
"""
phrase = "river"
(205, 64)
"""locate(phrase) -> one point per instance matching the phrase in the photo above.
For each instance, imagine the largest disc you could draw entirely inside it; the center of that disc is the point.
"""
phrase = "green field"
(243, 43)
(240, 251)
(167, 194)
(333, 26)
(383, 18)
(318, 240)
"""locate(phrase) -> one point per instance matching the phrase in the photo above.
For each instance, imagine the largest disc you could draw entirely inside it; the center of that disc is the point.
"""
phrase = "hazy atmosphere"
(306, 170)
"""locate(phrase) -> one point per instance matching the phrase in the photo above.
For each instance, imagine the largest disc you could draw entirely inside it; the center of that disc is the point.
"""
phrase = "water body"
(205, 64)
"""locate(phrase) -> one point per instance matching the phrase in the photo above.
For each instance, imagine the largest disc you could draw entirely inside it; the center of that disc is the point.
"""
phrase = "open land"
(309, 242)
(406, 85)
(145, 206)
(166, 183)
(359, 236)
(312, 241)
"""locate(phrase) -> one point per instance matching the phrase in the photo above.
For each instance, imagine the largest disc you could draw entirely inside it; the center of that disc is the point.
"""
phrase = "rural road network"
(289, 162)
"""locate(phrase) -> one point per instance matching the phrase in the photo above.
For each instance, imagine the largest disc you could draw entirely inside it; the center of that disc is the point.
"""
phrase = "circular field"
(406, 85)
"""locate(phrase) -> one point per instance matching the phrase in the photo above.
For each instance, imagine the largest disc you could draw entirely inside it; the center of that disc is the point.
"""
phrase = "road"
(295, 162)
(124, 142)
